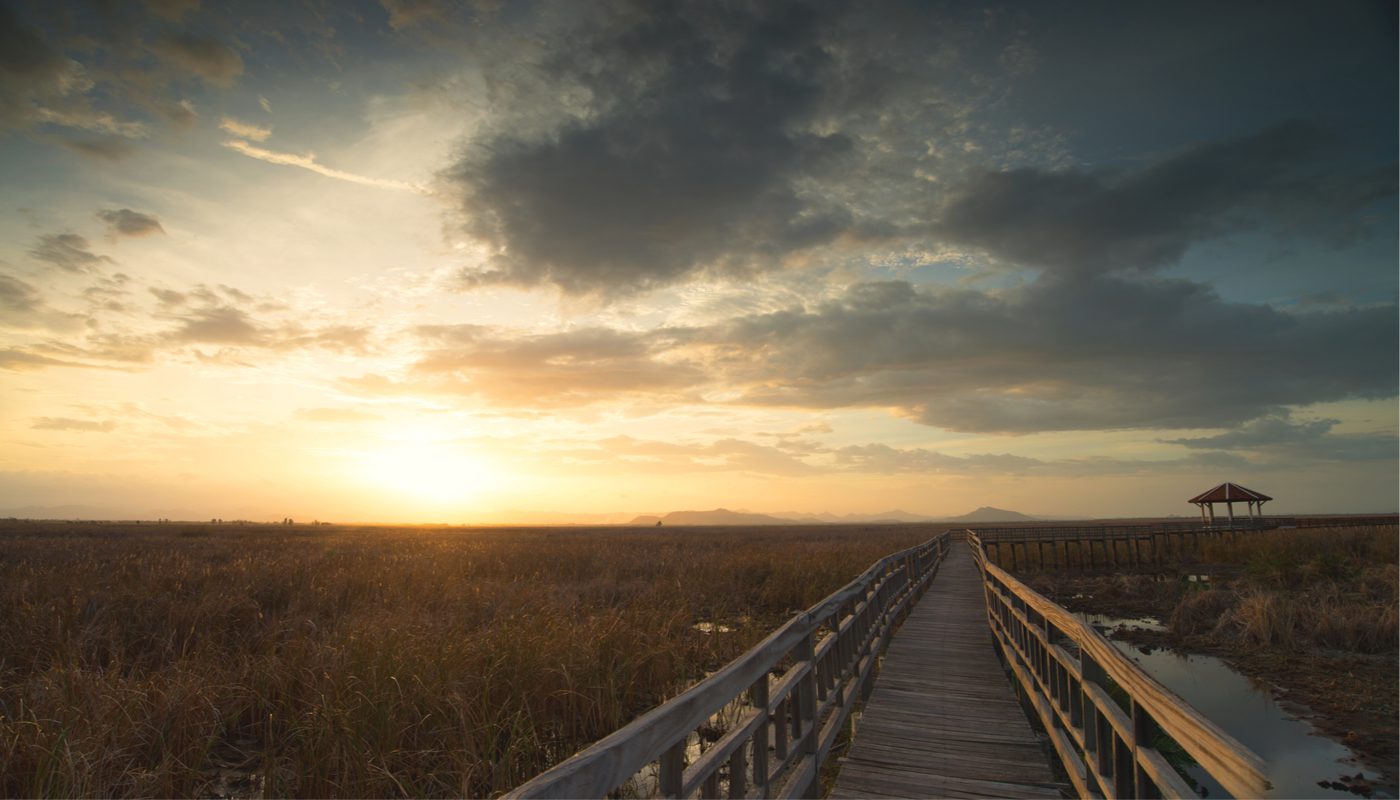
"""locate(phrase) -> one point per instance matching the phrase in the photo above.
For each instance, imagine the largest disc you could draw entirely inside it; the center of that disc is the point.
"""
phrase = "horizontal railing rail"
(1140, 530)
(785, 726)
(1103, 713)
(1347, 521)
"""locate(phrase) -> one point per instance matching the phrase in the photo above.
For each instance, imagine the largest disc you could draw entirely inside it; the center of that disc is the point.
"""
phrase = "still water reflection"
(1300, 761)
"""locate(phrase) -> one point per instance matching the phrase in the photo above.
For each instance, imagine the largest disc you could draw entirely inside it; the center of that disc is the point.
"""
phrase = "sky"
(542, 262)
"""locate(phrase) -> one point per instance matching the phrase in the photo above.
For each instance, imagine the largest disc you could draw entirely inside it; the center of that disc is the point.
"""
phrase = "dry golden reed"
(1318, 588)
(185, 660)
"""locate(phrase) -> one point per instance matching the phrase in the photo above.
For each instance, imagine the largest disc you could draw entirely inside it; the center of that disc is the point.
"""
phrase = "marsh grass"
(143, 660)
(1316, 588)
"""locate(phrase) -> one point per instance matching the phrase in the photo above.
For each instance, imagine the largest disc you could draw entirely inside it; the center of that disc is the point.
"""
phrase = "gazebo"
(1229, 494)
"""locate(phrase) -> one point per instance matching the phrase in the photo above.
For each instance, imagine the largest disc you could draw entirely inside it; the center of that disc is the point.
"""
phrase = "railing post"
(758, 696)
(807, 698)
(1144, 733)
(1093, 674)
(737, 785)
(672, 770)
(867, 649)
(780, 729)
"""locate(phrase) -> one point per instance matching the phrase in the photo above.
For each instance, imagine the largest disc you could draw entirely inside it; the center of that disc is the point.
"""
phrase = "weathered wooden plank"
(943, 719)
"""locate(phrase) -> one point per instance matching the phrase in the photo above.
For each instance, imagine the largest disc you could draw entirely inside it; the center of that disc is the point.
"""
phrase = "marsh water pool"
(1301, 762)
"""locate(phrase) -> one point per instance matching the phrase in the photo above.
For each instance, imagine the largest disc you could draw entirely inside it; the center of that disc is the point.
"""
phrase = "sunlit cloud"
(244, 130)
(309, 162)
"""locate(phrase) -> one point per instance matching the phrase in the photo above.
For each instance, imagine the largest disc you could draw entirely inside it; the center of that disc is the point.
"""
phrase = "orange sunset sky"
(579, 261)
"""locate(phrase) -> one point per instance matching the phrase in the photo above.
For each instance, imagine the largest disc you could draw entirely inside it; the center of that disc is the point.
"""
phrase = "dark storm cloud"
(1100, 353)
(40, 85)
(125, 222)
(211, 60)
(1269, 431)
(24, 54)
(172, 10)
(67, 251)
(688, 155)
(1279, 180)
(1279, 435)
(699, 140)
(34, 75)
(1060, 355)
(410, 13)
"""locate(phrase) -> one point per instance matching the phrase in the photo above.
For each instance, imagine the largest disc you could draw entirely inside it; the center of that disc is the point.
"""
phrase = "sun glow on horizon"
(417, 465)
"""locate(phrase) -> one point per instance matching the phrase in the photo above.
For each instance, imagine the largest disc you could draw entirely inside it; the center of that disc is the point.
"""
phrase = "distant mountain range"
(718, 516)
(723, 516)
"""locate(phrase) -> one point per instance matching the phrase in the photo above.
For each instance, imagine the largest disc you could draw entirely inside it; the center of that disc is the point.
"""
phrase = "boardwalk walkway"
(943, 720)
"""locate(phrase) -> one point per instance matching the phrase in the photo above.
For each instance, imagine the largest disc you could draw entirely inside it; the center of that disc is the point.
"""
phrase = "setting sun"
(435, 472)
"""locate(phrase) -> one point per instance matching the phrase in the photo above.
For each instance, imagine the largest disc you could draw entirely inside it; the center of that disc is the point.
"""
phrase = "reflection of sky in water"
(1296, 758)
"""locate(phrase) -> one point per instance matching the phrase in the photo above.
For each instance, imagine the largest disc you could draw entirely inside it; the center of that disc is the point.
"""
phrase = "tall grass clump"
(1329, 588)
(140, 661)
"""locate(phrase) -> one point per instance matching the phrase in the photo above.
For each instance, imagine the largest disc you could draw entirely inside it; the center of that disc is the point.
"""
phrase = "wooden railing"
(1108, 744)
(1042, 532)
(786, 726)
(1348, 521)
(1142, 530)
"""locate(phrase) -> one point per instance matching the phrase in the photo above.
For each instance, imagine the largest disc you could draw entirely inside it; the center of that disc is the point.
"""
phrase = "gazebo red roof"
(1229, 493)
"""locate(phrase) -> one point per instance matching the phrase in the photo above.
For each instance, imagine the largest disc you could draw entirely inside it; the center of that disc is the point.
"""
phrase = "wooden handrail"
(1071, 695)
(832, 648)
(1037, 533)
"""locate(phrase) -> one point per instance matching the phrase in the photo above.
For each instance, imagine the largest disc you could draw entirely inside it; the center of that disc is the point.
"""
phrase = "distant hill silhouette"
(989, 514)
(895, 515)
(720, 516)
(723, 516)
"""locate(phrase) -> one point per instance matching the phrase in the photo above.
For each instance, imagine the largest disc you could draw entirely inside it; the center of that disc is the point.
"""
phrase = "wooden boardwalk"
(943, 720)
